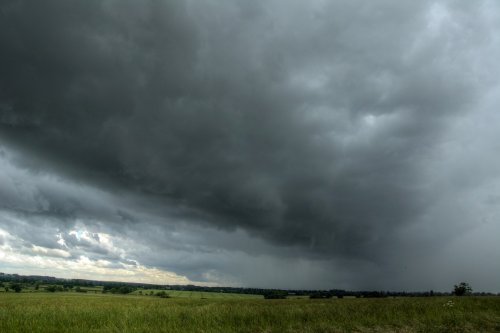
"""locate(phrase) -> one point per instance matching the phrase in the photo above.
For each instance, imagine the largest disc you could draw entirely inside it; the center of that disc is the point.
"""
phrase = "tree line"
(16, 282)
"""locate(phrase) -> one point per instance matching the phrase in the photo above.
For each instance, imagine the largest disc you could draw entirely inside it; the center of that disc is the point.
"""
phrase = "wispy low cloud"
(43, 251)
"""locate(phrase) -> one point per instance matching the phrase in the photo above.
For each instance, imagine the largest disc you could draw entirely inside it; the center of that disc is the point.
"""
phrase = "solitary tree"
(462, 289)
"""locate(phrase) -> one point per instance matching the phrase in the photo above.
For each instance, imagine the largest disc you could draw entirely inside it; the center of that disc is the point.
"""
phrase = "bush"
(276, 295)
(51, 289)
(118, 289)
(320, 295)
(162, 294)
(54, 288)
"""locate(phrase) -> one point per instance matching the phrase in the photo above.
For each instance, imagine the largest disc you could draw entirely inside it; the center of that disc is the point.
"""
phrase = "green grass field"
(73, 312)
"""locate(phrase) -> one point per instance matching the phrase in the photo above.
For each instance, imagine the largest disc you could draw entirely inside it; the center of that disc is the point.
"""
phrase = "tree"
(462, 289)
(16, 287)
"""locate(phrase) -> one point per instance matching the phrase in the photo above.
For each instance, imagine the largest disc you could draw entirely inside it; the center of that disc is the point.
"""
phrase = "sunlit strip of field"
(196, 294)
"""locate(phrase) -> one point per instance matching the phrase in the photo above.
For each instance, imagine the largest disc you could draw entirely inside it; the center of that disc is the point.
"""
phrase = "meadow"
(93, 312)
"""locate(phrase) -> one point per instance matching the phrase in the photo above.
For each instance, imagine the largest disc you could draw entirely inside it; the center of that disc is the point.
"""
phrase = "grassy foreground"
(70, 312)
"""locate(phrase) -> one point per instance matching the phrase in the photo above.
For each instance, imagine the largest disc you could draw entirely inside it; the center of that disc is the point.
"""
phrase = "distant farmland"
(219, 312)
(145, 292)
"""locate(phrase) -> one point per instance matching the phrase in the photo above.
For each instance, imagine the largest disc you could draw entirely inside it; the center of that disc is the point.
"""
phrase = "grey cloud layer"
(310, 126)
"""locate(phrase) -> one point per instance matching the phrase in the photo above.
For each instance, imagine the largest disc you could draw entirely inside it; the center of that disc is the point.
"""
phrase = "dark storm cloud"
(306, 125)
(143, 97)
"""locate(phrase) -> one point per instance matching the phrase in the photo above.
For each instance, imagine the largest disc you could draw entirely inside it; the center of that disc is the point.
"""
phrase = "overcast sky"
(269, 143)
